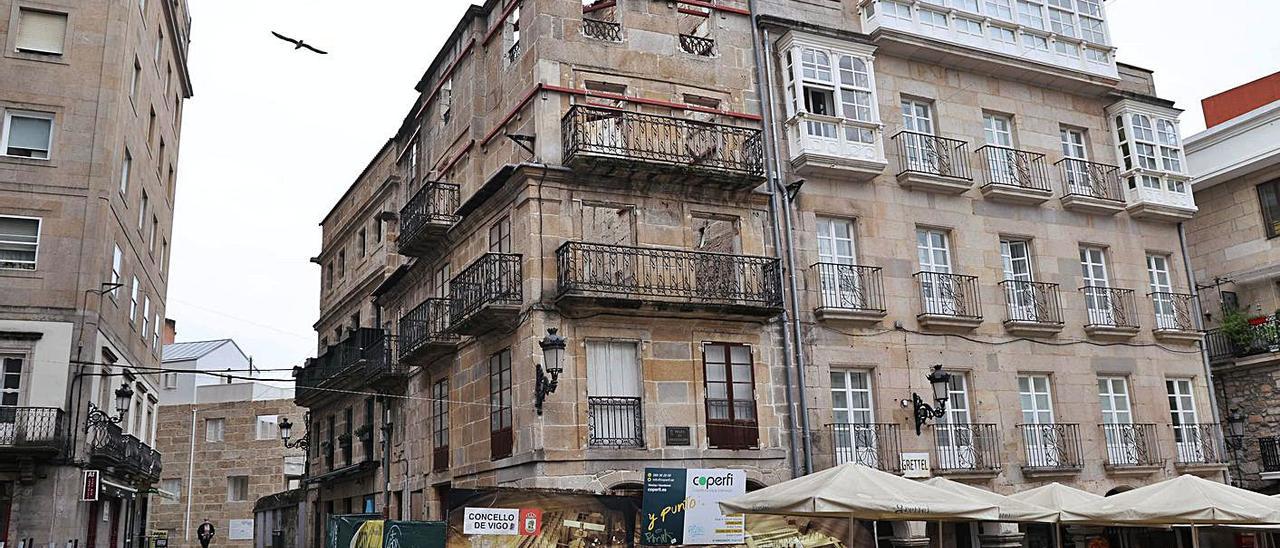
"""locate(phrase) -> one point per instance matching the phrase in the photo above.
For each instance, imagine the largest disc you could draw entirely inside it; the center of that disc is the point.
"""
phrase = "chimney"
(170, 330)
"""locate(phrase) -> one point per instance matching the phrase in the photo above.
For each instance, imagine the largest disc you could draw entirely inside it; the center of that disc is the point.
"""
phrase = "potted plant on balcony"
(1238, 330)
(364, 431)
(344, 440)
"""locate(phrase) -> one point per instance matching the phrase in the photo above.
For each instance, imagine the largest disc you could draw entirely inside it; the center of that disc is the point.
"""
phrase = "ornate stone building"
(758, 225)
(91, 95)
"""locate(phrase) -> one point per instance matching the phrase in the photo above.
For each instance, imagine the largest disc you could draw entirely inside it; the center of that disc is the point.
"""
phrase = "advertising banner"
(511, 518)
(681, 506)
(371, 531)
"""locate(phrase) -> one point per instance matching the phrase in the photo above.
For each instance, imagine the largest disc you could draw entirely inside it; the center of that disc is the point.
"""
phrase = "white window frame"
(22, 371)
(1188, 437)
(855, 436)
(35, 259)
(237, 488)
(126, 165)
(1116, 403)
(851, 93)
(10, 114)
(146, 316)
(215, 430)
(169, 380)
(271, 422)
(954, 431)
(133, 302)
(1160, 279)
(117, 268)
(621, 375)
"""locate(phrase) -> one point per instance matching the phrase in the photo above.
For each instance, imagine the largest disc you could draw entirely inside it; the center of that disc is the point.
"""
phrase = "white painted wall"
(50, 369)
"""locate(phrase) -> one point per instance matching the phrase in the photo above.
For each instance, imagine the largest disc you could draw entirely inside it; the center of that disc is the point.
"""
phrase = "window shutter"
(41, 31)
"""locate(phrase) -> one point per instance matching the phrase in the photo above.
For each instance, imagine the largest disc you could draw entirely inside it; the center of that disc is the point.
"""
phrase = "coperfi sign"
(681, 506)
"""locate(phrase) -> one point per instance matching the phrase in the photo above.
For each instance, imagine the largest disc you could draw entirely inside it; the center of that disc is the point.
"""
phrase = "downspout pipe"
(789, 229)
(771, 176)
(1204, 346)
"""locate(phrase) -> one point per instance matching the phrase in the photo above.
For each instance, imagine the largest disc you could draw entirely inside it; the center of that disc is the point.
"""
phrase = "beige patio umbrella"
(1055, 496)
(860, 492)
(1184, 500)
(1011, 509)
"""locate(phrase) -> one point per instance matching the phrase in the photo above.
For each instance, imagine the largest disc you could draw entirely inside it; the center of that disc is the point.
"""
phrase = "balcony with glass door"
(1174, 316)
(1160, 197)
(1015, 176)
(948, 301)
(875, 445)
(1051, 449)
(635, 146)
(1033, 308)
(423, 333)
(486, 295)
(1132, 448)
(673, 281)
(1112, 312)
(1157, 186)
(426, 218)
(932, 164)
(966, 449)
(1199, 446)
(1090, 187)
(849, 292)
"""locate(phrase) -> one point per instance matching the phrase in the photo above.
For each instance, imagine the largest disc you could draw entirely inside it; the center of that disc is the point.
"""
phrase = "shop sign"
(89, 486)
(682, 506)
(916, 466)
(502, 521)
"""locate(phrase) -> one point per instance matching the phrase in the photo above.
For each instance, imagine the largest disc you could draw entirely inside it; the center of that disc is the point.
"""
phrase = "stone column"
(909, 534)
(995, 534)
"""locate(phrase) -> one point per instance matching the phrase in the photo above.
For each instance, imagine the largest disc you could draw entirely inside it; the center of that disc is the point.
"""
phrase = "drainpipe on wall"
(771, 176)
(1204, 346)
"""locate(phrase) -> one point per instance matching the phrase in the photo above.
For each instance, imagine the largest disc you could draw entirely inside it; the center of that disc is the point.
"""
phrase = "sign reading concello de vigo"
(681, 506)
(501, 521)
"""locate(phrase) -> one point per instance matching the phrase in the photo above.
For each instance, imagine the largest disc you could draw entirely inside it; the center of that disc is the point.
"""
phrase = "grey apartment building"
(758, 226)
(91, 95)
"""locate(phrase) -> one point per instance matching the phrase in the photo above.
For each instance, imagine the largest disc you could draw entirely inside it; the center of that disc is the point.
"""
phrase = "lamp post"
(941, 382)
(552, 353)
(286, 432)
(1234, 440)
(99, 418)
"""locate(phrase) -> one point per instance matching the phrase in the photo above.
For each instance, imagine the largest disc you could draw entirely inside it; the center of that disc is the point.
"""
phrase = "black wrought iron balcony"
(424, 331)
(1199, 445)
(1091, 187)
(697, 45)
(611, 142)
(32, 430)
(487, 294)
(1051, 447)
(427, 217)
(608, 31)
(361, 359)
(1175, 315)
(931, 163)
(1270, 450)
(868, 444)
(1032, 306)
(513, 53)
(850, 292)
(1016, 176)
(674, 280)
(948, 300)
(1132, 445)
(1112, 311)
(615, 422)
(109, 446)
(967, 448)
(1245, 340)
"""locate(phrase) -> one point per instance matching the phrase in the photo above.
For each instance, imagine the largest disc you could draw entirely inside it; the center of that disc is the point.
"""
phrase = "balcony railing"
(667, 275)
(34, 429)
(967, 447)
(1173, 311)
(1199, 444)
(704, 148)
(874, 445)
(427, 324)
(697, 45)
(1032, 302)
(110, 446)
(602, 30)
(513, 53)
(1252, 340)
(1012, 167)
(493, 279)
(1110, 307)
(932, 155)
(427, 215)
(615, 422)
(1051, 446)
(1132, 445)
(1270, 450)
(1090, 179)
(850, 287)
(951, 295)
(365, 355)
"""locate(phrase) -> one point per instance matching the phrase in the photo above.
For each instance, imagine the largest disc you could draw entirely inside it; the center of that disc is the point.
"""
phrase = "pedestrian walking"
(205, 533)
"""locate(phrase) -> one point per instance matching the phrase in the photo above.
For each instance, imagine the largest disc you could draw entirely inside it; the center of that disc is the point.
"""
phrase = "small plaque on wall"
(678, 435)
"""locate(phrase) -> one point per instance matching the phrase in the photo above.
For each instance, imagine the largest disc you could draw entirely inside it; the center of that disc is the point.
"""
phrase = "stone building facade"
(1236, 256)
(91, 93)
(222, 454)
(610, 170)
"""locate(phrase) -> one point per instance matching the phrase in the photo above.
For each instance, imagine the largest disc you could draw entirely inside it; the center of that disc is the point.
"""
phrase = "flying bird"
(298, 44)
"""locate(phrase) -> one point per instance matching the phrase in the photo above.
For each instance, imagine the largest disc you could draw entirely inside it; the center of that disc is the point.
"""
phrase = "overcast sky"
(274, 136)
